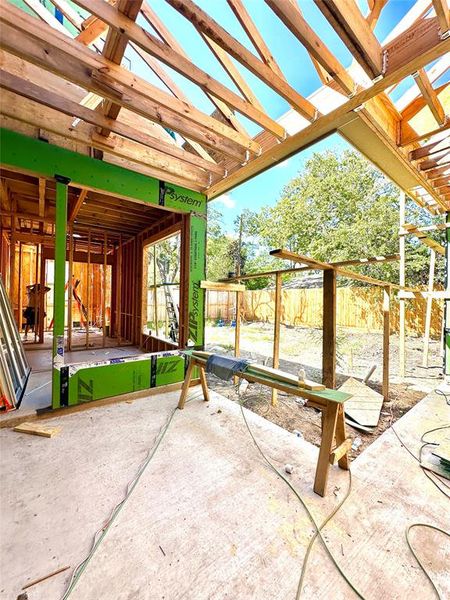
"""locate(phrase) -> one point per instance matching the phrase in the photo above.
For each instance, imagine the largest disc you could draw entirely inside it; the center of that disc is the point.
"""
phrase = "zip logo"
(166, 367)
(85, 390)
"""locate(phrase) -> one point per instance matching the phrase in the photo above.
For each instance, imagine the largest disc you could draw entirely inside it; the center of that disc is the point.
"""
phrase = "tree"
(341, 207)
(219, 258)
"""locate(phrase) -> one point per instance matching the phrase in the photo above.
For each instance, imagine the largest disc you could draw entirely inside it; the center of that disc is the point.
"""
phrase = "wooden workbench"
(334, 445)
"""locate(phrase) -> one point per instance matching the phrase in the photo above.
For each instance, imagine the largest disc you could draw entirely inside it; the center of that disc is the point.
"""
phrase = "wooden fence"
(357, 308)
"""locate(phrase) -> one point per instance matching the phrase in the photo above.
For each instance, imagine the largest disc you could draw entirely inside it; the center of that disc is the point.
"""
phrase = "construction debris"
(363, 409)
(35, 429)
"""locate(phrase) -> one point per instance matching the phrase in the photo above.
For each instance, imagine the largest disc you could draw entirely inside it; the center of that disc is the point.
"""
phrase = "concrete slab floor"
(208, 519)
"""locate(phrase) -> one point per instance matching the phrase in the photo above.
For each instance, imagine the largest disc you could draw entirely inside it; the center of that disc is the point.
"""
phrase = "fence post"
(426, 340)
(386, 334)
(276, 331)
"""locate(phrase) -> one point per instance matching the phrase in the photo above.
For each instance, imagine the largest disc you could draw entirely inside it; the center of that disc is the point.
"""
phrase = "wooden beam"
(44, 96)
(442, 12)
(179, 63)
(423, 46)
(430, 96)
(165, 34)
(254, 35)
(5, 199)
(205, 24)
(348, 22)
(234, 73)
(221, 286)
(408, 136)
(438, 172)
(276, 330)
(77, 206)
(439, 159)
(300, 258)
(42, 183)
(51, 51)
(120, 151)
(386, 339)
(329, 329)
(441, 181)
(114, 50)
(288, 13)
(170, 84)
(93, 29)
(429, 149)
(426, 339)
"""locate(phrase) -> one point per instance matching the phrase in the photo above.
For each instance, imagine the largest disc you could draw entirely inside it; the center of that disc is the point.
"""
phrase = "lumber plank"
(50, 50)
(329, 329)
(254, 36)
(289, 14)
(29, 90)
(205, 24)
(354, 31)
(36, 429)
(340, 451)
(430, 96)
(166, 35)
(222, 287)
(173, 59)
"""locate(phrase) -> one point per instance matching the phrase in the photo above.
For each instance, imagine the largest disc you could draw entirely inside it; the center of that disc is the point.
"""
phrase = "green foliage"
(219, 261)
(339, 207)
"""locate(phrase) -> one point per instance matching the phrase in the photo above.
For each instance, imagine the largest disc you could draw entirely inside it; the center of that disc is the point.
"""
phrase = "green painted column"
(59, 293)
(197, 272)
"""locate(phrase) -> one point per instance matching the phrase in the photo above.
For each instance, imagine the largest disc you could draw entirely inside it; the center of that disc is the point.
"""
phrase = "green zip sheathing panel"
(59, 286)
(85, 382)
(197, 269)
(43, 159)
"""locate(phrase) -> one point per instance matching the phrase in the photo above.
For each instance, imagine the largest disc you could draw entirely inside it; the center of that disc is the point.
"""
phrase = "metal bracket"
(62, 179)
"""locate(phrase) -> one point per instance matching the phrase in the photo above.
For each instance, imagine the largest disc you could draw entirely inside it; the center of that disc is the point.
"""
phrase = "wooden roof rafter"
(165, 34)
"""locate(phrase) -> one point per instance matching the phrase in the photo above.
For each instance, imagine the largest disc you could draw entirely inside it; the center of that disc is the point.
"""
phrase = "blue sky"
(265, 189)
(293, 61)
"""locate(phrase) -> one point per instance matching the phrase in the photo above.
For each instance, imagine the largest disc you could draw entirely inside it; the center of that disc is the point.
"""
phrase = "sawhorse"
(334, 445)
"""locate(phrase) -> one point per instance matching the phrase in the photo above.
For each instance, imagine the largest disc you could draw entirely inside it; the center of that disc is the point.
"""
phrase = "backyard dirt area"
(300, 348)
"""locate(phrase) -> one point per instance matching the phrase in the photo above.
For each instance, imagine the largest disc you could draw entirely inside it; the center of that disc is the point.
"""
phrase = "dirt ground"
(301, 348)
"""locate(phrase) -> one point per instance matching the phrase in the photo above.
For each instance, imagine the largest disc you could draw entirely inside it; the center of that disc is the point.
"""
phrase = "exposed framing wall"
(39, 158)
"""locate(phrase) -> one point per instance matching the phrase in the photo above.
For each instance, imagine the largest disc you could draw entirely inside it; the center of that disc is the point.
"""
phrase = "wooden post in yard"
(329, 329)
(426, 340)
(386, 336)
(276, 332)
(401, 353)
(237, 330)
